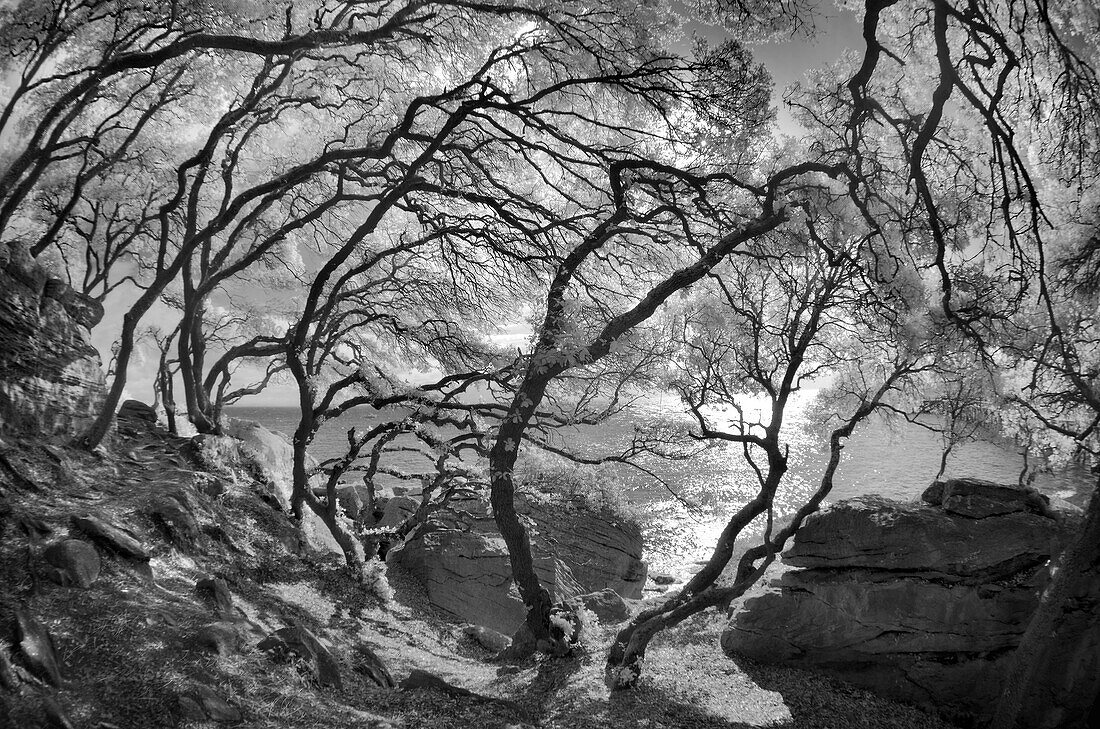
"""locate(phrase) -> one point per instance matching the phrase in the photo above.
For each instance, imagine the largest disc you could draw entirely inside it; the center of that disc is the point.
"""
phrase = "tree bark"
(502, 461)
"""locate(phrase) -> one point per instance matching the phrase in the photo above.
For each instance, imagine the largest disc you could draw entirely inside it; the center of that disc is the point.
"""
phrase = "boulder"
(199, 702)
(851, 616)
(273, 455)
(175, 516)
(462, 561)
(137, 410)
(110, 537)
(224, 637)
(871, 532)
(469, 575)
(607, 605)
(917, 601)
(36, 648)
(419, 679)
(352, 498)
(977, 499)
(600, 550)
(369, 664)
(51, 381)
(72, 563)
(396, 511)
(297, 642)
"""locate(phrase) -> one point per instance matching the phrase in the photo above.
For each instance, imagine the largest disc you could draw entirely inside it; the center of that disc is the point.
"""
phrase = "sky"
(835, 31)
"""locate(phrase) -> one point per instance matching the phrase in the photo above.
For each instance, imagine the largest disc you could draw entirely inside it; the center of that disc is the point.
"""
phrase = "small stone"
(111, 537)
(978, 499)
(7, 671)
(370, 664)
(137, 410)
(298, 642)
(216, 592)
(222, 637)
(608, 605)
(351, 500)
(34, 527)
(487, 637)
(37, 648)
(176, 519)
(74, 563)
(663, 579)
(397, 509)
(56, 716)
(202, 703)
(419, 679)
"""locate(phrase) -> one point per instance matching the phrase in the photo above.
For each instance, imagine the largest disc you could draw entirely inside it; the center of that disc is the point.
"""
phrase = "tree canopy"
(358, 196)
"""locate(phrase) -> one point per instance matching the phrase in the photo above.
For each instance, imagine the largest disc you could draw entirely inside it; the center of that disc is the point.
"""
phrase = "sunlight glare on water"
(896, 460)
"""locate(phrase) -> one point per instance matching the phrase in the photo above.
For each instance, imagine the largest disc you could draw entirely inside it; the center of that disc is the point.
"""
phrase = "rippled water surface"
(897, 460)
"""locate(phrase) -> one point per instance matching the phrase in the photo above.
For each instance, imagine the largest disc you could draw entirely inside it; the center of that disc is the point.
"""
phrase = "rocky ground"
(155, 585)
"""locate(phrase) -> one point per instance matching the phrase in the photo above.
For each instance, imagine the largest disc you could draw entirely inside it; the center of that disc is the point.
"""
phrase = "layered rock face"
(51, 382)
(922, 602)
(460, 557)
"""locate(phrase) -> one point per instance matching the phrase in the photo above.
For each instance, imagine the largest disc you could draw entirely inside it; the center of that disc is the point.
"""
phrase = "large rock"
(876, 533)
(463, 562)
(915, 600)
(468, 575)
(110, 537)
(396, 511)
(600, 551)
(175, 515)
(224, 637)
(51, 381)
(607, 605)
(72, 562)
(137, 410)
(369, 664)
(273, 454)
(295, 642)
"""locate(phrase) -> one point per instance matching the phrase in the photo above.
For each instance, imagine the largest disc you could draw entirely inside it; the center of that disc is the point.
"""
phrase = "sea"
(682, 505)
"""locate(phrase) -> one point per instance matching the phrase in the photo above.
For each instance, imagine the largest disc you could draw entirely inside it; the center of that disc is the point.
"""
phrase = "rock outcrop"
(922, 602)
(460, 557)
(51, 381)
